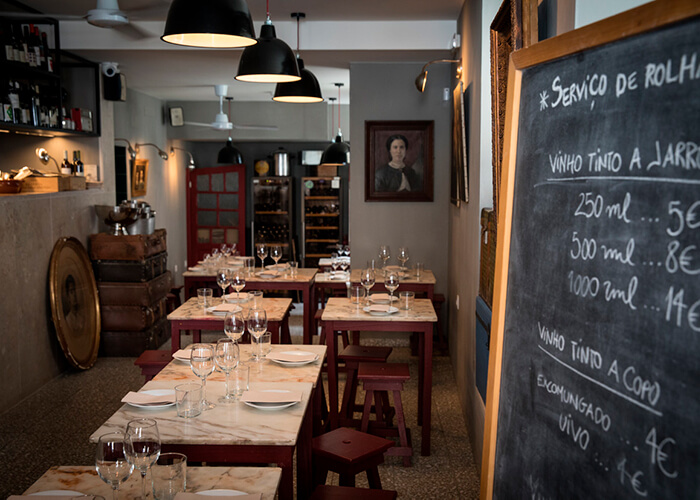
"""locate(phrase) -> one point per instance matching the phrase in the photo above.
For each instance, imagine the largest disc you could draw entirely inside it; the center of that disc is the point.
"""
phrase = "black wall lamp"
(222, 24)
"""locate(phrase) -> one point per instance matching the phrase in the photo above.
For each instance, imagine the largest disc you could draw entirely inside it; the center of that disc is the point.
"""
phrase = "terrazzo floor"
(45, 430)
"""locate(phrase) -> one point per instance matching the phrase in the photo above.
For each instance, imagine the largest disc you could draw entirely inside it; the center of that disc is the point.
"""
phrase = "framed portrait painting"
(139, 178)
(399, 160)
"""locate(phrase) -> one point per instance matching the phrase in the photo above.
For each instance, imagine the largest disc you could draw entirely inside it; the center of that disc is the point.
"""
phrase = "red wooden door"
(215, 210)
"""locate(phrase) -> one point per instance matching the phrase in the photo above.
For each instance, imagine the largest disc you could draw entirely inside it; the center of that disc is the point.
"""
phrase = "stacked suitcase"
(133, 283)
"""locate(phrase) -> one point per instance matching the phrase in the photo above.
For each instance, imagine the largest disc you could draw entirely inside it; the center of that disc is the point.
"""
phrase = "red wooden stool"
(152, 362)
(327, 492)
(349, 452)
(383, 377)
(353, 355)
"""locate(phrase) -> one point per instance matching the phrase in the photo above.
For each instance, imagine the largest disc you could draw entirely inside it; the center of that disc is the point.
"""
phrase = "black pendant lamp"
(268, 61)
(229, 154)
(305, 90)
(221, 24)
(338, 153)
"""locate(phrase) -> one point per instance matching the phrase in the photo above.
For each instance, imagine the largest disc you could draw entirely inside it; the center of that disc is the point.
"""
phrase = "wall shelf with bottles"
(322, 209)
(47, 92)
(272, 213)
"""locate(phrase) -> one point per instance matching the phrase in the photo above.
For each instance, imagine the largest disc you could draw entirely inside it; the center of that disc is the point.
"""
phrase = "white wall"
(590, 11)
(386, 91)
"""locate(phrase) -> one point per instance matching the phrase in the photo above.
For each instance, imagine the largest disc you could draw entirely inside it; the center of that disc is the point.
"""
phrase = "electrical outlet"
(446, 94)
(175, 269)
(457, 302)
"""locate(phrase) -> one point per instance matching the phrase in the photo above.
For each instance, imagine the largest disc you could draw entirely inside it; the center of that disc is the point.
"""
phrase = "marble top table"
(425, 285)
(84, 479)
(302, 282)
(191, 316)
(341, 314)
(233, 433)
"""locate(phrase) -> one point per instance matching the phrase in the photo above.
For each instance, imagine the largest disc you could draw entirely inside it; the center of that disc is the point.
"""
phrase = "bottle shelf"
(312, 228)
(329, 240)
(322, 215)
(317, 255)
(321, 198)
(272, 212)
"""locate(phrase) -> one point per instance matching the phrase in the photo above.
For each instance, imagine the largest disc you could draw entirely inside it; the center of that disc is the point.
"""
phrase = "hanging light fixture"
(338, 153)
(229, 154)
(270, 60)
(305, 90)
(220, 24)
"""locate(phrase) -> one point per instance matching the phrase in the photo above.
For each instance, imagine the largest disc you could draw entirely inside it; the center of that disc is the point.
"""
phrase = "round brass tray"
(75, 306)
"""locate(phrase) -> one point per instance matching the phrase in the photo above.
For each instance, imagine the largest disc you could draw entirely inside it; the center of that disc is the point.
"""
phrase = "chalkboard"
(598, 380)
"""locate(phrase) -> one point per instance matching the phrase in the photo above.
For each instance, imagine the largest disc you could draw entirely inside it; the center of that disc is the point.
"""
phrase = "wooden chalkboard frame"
(643, 19)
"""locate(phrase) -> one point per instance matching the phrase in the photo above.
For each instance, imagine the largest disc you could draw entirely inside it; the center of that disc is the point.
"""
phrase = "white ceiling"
(334, 34)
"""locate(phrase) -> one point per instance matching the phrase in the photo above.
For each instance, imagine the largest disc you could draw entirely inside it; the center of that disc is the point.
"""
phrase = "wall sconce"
(44, 156)
(161, 153)
(131, 151)
(191, 164)
(423, 77)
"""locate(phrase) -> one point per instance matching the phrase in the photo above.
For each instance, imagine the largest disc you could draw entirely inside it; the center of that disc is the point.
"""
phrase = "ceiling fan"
(107, 14)
(221, 121)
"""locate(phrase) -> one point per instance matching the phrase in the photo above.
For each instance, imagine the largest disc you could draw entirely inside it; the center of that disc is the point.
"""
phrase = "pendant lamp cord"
(229, 115)
(267, 9)
(338, 107)
(332, 116)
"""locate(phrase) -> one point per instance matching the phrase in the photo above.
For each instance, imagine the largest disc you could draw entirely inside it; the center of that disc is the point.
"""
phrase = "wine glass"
(142, 446)
(384, 254)
(343, 263)
(227, 355)
(367, 280)
(261, 250)
(257, 325)
(334, 262)
(391, 283)
(403, 256)
(226, 250)
(110, 461)
(223, 279)
(276, 253)
(238, 283)
(234, 325)
(202, 364)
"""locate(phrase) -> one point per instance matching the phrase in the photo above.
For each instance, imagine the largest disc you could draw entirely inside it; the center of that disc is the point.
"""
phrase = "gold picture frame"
(139, 178)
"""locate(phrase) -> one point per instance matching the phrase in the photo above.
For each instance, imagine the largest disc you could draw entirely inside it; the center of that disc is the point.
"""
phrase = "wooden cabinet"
(322, 210)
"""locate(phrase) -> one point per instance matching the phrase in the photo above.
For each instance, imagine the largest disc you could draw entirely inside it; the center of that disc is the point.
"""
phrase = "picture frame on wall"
(399, 160)
(139, 178)
(459, 177)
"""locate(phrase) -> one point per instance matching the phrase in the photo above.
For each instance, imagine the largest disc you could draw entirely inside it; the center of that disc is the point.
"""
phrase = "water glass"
(420, 267)
(357, 293)
(169, 475)
(293, 269)
(188, 398)
(406, 300)
(256, 299)
(249, 265)
(263, 344)
(205, 297)
(240, 377)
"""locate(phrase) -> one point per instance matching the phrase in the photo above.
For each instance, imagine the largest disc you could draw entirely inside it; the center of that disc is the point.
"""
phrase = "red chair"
(353, 355)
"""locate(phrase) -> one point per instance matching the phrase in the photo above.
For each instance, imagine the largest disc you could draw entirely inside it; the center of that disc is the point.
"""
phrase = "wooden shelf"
(311, 228)
(329, 240)
(322, 215)
(317, 255)
(271, 212)
(321, 197)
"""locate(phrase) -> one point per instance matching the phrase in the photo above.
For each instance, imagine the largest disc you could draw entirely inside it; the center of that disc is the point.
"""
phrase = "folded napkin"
(292, 356)
(183, 354)
(196, 268)
(340, 276)
(381, 297)
(45, 497)
(271, 397)
(393, 268)
(140, 398)
(225, 307)
(231, 297)
(270, 273)
(379, 308)
(195, 496)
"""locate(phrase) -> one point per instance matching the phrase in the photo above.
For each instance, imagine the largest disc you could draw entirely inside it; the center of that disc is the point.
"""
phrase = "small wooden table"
(341, 314)
(302, 282)
(84, 479)
(234, 433)
(190, 316)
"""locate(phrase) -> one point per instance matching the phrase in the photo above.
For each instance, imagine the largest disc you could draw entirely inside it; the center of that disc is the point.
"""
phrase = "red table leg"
(332, 364)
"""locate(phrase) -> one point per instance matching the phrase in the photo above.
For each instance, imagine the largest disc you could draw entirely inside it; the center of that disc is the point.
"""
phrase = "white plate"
(56, 493)
(267, 274)
(391, 310)
(221, 493)
(294, 363)
(271, 406)
(212, 310)
(277, 267)
(182, 360)
(384, 300)
(155, 392)
(231, 298)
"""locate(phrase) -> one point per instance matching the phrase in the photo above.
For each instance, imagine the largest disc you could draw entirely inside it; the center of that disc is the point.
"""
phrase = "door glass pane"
(229, 201)
(206, 201)
(206, 218)
(232, 237)
(217, 236)
(202, 236)
(228, 219)
(232, 182)
(203, 182)
(217, 182)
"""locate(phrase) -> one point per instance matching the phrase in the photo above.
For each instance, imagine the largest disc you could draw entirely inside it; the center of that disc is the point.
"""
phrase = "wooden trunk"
(127, 247)
(133, 344)
(135, 294)
(132, 318)
(125, 271)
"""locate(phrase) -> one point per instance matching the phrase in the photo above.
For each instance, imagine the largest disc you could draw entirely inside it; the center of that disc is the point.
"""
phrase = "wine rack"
(272, 209)
(322, 211)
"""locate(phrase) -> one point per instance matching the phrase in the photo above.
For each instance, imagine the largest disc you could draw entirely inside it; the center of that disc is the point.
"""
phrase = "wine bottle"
(16, 46)
(7, 42)
(13, 97)
(66, 167)
(78, 167)
(35, 106)
(24, 56)
(48, 64)
(36, 46)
